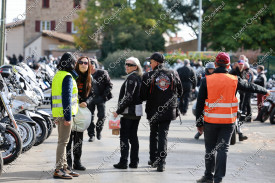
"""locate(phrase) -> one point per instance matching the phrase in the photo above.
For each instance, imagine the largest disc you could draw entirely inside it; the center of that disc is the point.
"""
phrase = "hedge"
(114, 62)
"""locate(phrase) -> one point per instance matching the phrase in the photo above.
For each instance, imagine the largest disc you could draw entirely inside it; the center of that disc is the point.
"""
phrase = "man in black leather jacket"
(189, 82)
(246, 105)
(160, 89)
(239, 71)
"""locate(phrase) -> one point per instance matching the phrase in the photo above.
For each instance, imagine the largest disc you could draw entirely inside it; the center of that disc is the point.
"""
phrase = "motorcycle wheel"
(272, 116)
(233, 137)
(41, 131)
(1, 164)
(263, 115)
(12, 146)
(49, 125)
(27, 134)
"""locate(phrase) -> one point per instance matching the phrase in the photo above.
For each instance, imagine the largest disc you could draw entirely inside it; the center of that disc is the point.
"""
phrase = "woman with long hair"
(84, 85)
(130, 106)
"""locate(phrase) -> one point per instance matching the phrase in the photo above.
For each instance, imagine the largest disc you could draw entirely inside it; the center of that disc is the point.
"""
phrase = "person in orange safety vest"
(217, 108)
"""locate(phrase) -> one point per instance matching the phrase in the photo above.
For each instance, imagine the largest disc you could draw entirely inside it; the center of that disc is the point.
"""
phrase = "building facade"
(47, 23)
(15, 39)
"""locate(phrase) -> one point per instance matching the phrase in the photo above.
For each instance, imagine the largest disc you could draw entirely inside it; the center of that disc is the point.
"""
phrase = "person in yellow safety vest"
(216, 113)
(64, 105)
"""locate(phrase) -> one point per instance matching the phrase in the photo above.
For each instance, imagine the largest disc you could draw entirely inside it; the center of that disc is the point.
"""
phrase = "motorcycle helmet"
(210, 65)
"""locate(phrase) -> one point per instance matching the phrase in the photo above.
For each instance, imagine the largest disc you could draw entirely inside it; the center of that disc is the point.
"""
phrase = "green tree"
(132, 37)
(247, 24)
(187, 13)
(116, 24)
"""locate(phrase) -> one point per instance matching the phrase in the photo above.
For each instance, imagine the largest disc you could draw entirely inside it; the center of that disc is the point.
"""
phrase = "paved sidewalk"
(250, 161)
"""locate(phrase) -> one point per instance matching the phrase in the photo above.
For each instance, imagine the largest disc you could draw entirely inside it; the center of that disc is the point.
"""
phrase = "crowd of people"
(79, 84)
(14, 60)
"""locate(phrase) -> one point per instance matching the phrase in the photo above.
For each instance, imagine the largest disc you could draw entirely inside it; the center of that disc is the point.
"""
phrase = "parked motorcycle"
(26, 101)
(268, 107)
(32, 82)
(272, 114)
(25, 125)
(10, 140)
(25, 104)
(1, 163)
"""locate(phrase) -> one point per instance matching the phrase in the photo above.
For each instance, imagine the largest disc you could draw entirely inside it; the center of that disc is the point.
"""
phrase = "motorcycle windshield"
(27, 75)
(29, 70)
(49, 71)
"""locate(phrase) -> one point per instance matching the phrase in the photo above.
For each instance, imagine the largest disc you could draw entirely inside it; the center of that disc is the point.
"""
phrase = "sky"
(14, 8)
(17, 7)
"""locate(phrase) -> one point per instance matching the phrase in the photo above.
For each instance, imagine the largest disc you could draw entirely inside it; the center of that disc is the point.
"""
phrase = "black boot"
(133, 165)
(121, 165)
(92, 138)
(98, 135)
(242, 137)
(161, 167)
(99, 129)
(205, 180)
(79, 166)
(153, 164)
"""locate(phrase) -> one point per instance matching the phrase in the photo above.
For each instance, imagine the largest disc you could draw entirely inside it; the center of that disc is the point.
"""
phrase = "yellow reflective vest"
(57, 107)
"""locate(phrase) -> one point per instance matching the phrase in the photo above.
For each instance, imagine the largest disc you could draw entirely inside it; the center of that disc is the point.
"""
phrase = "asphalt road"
(248, 161)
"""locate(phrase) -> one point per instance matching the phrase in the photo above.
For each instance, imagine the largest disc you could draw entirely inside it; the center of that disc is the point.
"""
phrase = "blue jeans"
(217, 139)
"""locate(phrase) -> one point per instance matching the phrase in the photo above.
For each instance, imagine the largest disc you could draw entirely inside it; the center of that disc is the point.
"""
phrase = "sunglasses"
(129, 65)
(92, 62)
(81, 62)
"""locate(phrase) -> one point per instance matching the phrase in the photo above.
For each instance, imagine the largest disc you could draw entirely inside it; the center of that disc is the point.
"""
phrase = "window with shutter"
(37, 26)
(53, 25)
(45, 3)
(77, 4)
(45, 25)
(69, 27)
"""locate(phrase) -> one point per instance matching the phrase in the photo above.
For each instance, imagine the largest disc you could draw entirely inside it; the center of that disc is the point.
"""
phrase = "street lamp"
(200, 16)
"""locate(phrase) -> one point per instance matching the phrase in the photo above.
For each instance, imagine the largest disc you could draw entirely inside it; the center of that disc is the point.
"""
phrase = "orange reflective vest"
(221, 105)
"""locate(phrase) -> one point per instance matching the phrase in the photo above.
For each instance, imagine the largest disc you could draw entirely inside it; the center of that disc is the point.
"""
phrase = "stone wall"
(61, 11)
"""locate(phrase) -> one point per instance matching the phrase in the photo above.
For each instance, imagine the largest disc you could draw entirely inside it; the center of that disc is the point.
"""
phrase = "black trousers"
(184, 101)
(101, 118)
(246, 105)
(76, 139)
(217, 138)
(241, 99)
(158, 141)
(128, 133)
